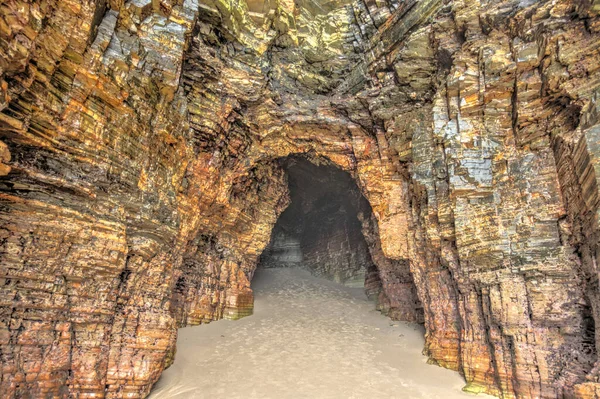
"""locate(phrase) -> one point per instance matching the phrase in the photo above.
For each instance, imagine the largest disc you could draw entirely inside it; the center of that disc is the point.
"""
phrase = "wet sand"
(308, 338)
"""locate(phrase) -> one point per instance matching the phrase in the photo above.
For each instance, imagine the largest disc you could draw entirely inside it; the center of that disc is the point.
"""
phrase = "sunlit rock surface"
(140, 181)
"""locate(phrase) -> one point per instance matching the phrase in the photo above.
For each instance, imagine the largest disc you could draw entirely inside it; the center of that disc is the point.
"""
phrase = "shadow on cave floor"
(308, 338)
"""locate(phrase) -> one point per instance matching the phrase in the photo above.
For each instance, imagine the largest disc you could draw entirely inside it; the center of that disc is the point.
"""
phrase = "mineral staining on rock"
(140, 177)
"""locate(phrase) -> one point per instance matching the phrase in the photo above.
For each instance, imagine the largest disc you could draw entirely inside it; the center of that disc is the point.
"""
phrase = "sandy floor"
(308, 338)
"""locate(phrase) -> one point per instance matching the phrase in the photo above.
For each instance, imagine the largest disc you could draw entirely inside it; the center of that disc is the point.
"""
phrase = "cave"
(320, 229)
(325, 228)
(157, 157)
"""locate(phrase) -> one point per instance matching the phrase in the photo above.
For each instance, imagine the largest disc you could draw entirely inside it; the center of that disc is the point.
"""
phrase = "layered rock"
(139, 177)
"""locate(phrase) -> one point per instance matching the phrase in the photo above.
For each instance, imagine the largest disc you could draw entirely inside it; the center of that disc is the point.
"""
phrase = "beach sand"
(308, 338)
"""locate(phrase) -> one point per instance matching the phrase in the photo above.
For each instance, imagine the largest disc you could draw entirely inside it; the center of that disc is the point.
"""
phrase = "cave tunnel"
(149, 150)
(315, 330)
(321, 229)
(329, 229)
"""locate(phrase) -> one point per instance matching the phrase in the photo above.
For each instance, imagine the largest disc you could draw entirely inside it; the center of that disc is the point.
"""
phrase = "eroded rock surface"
(139, 176)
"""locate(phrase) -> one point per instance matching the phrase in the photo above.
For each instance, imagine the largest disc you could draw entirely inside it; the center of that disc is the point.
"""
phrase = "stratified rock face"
(139, 177)
(332, 241)
(283, 250)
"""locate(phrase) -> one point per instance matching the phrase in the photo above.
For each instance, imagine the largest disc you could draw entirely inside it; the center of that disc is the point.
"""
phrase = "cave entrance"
(310, 337)
(321, 230)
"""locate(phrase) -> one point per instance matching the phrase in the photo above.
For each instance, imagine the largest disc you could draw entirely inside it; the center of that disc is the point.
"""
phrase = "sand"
(308, 338)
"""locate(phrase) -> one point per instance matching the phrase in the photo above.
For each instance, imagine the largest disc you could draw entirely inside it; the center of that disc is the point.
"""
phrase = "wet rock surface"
(140, 181)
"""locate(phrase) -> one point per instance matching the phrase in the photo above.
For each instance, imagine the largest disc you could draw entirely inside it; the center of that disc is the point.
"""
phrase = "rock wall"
(139, 182)
(332, 238)
(283, 250)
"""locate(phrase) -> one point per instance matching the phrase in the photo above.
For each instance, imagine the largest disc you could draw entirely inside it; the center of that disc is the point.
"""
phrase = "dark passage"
(321, 229)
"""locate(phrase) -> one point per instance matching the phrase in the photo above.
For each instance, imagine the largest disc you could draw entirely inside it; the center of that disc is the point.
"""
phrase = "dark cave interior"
(321, 229)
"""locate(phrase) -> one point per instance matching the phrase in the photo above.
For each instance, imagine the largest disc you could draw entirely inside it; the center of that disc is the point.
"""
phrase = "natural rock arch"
(318, 179)
(137, 142)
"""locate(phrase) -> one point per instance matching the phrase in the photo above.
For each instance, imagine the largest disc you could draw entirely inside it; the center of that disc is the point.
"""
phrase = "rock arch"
(137, 148)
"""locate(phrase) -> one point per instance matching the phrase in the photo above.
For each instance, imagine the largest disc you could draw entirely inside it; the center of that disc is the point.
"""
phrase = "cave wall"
(139, 185)
(333, 245)
(332, 240)
(283, 249)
